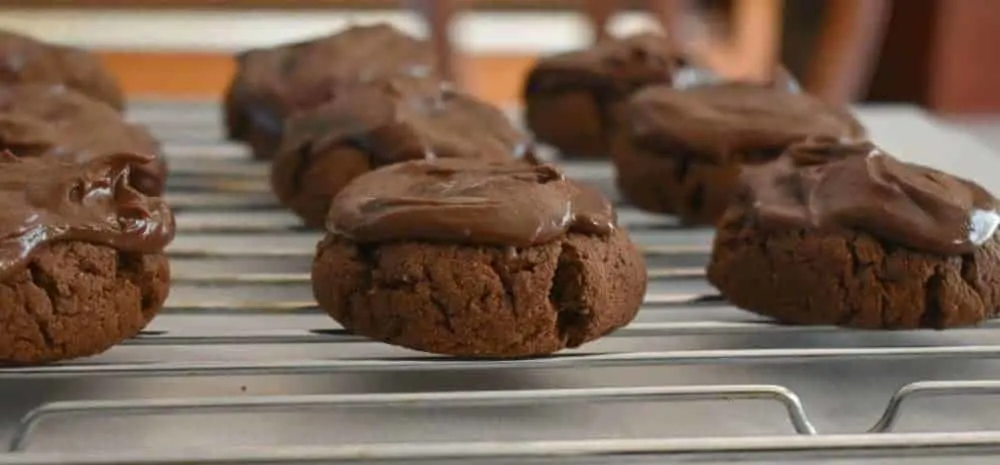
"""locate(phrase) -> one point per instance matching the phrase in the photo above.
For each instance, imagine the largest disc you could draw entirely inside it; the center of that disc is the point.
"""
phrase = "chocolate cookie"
(683, 150)
(24, 60)
(272, 83)
(81, 257)
(378, 123)
(860, 241)
(478, 259)
(570, 98)
(37, 120)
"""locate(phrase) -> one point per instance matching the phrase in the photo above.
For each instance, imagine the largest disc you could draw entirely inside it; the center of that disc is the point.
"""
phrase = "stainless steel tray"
(241, 368)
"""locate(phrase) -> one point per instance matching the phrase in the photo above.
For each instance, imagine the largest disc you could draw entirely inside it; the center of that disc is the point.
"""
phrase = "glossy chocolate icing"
(823, 185)
(468, 202)
(47, 199)
(723, 122)
(273, 82)
(37, 120)
(29, 61)
(406, 118)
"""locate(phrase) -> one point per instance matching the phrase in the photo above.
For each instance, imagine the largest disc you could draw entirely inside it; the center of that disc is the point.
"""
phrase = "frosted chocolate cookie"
(860, 241)
(683, 150)
(81, 256)
(24, 60)
(573, 100)
(272, 83)
(570, 98)
(478, 259)
(379, 123)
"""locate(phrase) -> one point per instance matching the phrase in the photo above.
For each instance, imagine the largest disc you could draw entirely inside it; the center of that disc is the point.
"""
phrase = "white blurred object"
(185, 30)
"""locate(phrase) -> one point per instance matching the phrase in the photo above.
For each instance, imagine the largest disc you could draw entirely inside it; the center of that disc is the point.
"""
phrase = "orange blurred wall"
(495, 78)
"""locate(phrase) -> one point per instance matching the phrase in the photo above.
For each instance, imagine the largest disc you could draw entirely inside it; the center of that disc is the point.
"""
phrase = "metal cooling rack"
(241, 345)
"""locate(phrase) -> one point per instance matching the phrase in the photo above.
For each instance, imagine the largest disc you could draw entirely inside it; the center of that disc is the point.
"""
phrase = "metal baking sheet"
(242, 368)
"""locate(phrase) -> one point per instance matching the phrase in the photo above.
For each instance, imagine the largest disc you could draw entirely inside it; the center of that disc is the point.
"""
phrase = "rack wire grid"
(241, 367)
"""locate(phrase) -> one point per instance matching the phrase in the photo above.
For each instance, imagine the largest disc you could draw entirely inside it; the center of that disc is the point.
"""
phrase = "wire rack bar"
(279, 307)
(305, 336)
(228, 279)
(223, 279)
(228, 155)
(770, 448)
(652, 301)
(289, 226)
(175, 251)
(559, 361)
(931, 389)
(245, 201)
(240, 251)
(791, 403)
(208, 170)
(340, 335)
(226, 183)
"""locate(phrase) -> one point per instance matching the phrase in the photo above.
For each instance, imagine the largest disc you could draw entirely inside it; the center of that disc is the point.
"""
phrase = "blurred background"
(940, 54)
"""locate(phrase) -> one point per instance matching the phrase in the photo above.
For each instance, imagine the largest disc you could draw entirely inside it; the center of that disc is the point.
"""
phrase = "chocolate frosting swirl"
(47, 199)
(823, 185)
(29, 61)
(406, 118)
(718, 123)
(469, 202)
(39, 120)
